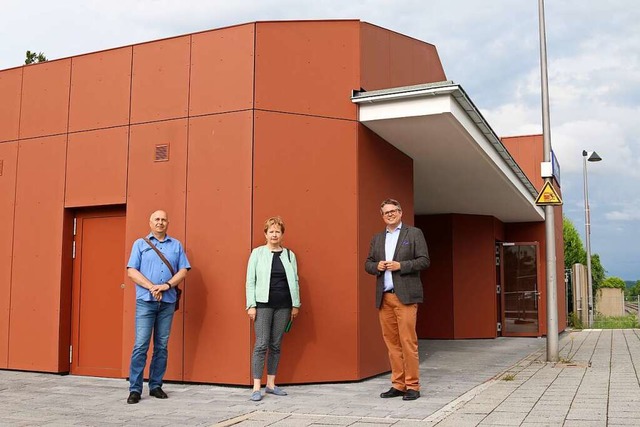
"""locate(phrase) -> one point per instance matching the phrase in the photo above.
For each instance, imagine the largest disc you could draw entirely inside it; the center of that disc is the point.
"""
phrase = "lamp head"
(591, 156)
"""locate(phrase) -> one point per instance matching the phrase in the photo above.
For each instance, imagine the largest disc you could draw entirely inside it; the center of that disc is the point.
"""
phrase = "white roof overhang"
(460, 165)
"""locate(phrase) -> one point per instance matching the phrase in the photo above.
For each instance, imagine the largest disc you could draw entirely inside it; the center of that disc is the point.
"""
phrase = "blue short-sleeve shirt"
(146, 261)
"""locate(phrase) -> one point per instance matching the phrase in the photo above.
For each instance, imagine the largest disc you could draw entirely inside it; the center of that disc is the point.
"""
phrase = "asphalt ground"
(505, 381)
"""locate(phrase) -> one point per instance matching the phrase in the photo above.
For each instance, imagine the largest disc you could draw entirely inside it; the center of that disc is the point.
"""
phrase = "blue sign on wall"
(555, 166)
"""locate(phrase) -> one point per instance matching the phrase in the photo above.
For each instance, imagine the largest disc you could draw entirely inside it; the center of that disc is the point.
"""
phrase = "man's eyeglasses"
(391, 212)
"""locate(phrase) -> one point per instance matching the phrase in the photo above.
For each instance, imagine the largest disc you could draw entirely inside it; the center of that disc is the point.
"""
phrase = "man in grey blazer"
(396, 257)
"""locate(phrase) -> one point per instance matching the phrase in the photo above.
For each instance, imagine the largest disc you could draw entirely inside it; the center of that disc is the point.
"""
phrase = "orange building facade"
(223, 129)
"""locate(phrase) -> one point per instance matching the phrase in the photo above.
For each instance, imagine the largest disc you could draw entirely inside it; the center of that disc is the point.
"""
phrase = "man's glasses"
(391, 212)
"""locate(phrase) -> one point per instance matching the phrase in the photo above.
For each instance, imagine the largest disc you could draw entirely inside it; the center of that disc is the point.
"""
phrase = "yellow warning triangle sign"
(548, 196)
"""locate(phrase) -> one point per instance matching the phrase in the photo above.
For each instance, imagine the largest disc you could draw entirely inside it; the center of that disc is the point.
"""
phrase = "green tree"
(598, 272)
(574, 252)
(613, 282)
(634, 291)
(33, 57)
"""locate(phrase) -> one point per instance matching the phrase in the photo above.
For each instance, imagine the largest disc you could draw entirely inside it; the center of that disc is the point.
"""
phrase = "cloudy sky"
(490, 47)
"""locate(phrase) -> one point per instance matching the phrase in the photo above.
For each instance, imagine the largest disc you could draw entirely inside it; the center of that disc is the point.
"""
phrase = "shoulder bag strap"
(162, 257)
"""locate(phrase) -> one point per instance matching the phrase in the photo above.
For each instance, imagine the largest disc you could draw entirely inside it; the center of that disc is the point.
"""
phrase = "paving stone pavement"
(505, 381)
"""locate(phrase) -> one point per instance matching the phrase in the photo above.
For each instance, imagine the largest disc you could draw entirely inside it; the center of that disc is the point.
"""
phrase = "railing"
(631, 307)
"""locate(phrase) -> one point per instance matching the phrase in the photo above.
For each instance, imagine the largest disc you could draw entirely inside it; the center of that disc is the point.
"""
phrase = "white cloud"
(623, 216)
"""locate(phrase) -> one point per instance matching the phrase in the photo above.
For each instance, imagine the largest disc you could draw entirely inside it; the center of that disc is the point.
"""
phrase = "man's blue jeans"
(156, 317)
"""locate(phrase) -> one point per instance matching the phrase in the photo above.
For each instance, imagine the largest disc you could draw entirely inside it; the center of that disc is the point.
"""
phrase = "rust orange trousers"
(398, 323)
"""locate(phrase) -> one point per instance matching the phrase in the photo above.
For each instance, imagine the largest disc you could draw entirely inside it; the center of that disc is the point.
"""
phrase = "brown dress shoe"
(157, 392)
(134, 397)
(392, 392)
(411, 395)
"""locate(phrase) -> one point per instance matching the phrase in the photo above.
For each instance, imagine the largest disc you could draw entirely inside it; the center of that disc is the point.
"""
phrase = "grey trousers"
(269, 325)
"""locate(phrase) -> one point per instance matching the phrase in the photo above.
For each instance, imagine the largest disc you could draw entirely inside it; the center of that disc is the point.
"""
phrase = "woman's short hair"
(393, 202)
(274, 220)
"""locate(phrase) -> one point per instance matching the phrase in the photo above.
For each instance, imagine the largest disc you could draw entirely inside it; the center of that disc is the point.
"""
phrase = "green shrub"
(574, 321)
(613, 282)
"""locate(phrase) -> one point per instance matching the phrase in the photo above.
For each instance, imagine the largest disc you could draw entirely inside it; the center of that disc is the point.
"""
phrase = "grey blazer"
(413, 255)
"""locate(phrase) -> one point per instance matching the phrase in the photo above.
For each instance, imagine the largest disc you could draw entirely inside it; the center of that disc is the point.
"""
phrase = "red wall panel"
(390, 59)
(97, 167)
(45, 98)
(435, 315)
(307, 67)
(375, 57)
(222, 64)
(151, 186)
(498, 230)
(413, 62)
(460, 286)
(217, 337)
(38, 241)
(527, 152)
(303, 171)
(160, 85)
(8, 161)
(474, 277)
(10, 92)
(383, 172)
(100, 90)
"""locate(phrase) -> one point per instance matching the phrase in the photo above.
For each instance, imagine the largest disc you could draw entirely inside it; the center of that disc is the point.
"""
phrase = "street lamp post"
(549, 220)
(588, 156)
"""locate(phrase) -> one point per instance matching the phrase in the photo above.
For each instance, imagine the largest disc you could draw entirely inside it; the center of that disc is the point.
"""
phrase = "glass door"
(520, 296)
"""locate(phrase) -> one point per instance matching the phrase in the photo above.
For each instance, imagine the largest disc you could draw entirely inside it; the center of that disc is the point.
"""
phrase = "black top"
(279, 294)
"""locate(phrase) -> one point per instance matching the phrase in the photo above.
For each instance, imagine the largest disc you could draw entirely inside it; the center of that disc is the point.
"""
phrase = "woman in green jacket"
(273, 300)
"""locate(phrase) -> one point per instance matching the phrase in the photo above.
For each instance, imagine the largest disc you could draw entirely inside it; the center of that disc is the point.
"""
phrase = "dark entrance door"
(520, 295)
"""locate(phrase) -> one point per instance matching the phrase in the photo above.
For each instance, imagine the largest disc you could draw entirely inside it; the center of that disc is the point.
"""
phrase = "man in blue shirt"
(156, 298)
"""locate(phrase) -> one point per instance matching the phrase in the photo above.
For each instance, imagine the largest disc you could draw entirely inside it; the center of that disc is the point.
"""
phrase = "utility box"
(610, 301)
(580, 291)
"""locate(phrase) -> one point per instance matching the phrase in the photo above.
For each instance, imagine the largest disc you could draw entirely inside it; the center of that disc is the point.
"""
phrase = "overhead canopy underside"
(460, 165)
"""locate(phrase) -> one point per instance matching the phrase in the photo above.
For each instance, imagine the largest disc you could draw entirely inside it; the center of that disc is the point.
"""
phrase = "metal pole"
(549, 223)
(587, 233)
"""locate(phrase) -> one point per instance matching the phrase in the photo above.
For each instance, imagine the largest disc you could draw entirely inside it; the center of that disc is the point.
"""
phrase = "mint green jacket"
(259, 275)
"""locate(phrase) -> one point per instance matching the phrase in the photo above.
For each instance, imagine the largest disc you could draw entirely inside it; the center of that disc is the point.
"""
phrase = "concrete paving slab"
(462, 380)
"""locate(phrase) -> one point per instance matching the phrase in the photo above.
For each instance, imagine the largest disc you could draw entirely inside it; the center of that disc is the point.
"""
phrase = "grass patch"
(508, 377)
(574, 321)
(629, 321)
